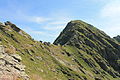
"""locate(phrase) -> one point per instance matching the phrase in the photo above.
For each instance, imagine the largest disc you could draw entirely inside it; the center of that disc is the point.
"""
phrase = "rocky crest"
(13, 26)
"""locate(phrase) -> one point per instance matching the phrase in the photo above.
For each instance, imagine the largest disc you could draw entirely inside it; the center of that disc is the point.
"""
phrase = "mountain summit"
(78, 30)
(93, 41)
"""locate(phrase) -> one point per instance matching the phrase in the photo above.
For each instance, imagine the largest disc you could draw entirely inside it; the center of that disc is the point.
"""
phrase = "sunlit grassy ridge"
(69, 61)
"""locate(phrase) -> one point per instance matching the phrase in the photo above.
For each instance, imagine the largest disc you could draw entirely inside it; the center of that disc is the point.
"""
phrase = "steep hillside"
(84, 53)
(103, 49)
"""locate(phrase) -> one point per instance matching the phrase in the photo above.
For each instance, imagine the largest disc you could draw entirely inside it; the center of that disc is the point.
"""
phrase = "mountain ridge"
(81, 52)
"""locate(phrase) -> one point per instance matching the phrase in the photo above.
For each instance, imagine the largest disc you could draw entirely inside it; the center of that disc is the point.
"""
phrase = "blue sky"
(45, 19)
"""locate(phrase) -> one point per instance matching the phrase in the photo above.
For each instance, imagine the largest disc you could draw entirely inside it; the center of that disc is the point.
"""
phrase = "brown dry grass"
(10, 50)
(36, 77)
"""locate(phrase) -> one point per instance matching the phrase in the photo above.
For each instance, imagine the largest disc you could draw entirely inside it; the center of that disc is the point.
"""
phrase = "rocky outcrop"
(13, 26)
(11, 66)
(117, 38)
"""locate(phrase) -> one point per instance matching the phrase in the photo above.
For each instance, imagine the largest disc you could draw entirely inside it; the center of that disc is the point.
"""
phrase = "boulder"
(47, 43)
(8, 23)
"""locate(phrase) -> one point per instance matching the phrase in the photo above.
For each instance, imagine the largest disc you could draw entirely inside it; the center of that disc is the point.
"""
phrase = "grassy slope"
(51, 62)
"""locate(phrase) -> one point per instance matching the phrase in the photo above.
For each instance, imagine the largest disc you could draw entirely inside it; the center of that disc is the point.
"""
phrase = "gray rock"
(19, 67)
(2, 62)
(10, 64)
(17, 57)
(8, 23)
(1, 49)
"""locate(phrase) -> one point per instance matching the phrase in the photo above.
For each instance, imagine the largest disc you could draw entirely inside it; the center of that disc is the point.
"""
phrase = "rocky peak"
(10, 27)
(77, 30)
(86, 37)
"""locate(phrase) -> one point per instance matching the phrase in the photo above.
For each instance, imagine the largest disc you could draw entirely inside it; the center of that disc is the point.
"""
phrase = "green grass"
(52, 62)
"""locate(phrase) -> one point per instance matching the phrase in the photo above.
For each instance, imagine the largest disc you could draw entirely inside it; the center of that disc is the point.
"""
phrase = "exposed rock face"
(11, 66)
(13, 26)
(117, 38)
(93, 41)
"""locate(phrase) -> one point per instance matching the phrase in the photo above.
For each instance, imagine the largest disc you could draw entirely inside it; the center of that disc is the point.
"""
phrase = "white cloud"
(111, 9)
(110, 17)
(54, 23)
(57, 22)
(36, 32)
(54, 27)
(39, 20)
(45, 27)
(113, 30)
(31, 31)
